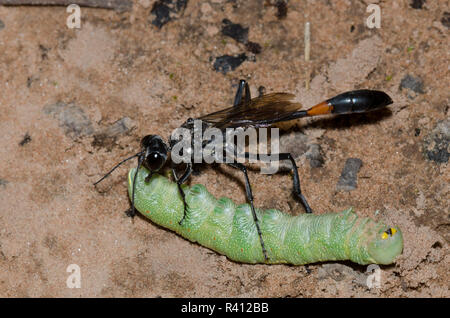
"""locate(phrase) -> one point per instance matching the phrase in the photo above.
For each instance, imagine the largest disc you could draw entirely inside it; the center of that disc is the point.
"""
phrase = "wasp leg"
(296, 180)
(248, 190)
(180, 181)
(243, 88)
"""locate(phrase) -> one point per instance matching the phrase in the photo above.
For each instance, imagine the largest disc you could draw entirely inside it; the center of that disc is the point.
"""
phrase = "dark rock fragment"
(166, 10)
(240, 34)
(437, 144)
(413, 83)
(445, 20)
(227, 63)
(26, 139)
(417, 4)
(108, 136)
(281, 9)
(261, 91)
(295, 143)
(348, 179)
(253, 47)
(72, 118)
(416, 132)
(234, 31)
(315, 156)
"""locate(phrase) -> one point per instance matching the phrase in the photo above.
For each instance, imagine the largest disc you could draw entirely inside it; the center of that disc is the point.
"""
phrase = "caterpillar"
(229, 229)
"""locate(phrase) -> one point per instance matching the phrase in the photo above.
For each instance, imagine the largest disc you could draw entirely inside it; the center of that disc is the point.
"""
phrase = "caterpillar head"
(386, 246)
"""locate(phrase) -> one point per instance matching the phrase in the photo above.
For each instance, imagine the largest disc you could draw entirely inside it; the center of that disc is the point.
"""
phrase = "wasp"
(262, 111)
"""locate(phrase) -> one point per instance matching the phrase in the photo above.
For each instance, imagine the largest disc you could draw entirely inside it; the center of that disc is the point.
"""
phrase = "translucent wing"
(258, 112)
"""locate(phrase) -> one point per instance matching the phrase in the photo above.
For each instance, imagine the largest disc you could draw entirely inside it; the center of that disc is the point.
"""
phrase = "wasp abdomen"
(359, 101)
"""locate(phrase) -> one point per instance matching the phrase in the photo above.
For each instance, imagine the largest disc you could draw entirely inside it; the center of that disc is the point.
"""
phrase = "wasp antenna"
(117, 166)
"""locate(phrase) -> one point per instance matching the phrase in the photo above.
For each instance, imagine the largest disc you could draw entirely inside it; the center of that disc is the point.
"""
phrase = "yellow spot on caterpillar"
(188, 230)
(242, 250)
(389, 232)
(148, 212)
(214, 238)
(170, 222)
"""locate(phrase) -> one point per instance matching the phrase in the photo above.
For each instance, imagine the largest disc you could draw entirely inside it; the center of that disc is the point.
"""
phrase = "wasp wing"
(258, 112)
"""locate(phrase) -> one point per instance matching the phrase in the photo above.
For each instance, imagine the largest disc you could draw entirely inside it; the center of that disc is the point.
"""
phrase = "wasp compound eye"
(155, 161)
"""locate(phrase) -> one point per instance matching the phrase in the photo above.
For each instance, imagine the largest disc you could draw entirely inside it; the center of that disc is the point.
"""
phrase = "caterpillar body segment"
(229, 229)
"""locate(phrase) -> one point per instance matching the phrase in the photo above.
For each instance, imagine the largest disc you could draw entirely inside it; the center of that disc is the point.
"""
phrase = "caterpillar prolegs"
(229, 229)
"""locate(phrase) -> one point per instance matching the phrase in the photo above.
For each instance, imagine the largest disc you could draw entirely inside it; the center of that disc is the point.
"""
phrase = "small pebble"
(71, 117)
(295, 143)
(417, 4)
(162, 14)
(281, 9)
(120, 127)
(235, 31)
(166, 10)
(314, 155)
(437, 143)
(227, 63)
(445, 20)
(261, 91)
(240, 34)
(108, 136)
(348, 178)
(417, 132)
(413, 83)
(337, 272)
(253, 47)
(26, 139)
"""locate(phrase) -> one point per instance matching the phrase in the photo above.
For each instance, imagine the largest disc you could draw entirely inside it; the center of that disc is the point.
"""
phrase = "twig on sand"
(307, 53)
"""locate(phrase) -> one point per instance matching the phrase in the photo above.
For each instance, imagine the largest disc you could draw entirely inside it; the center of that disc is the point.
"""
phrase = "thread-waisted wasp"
(262, 111)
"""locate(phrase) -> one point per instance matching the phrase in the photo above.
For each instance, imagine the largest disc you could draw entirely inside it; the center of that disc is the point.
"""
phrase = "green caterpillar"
(229, 229)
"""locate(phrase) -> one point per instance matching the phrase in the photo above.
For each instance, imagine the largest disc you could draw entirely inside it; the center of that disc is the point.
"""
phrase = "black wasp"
(246, 112)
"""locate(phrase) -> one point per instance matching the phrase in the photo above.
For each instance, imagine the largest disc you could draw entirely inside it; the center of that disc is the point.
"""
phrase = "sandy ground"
(74, 102)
